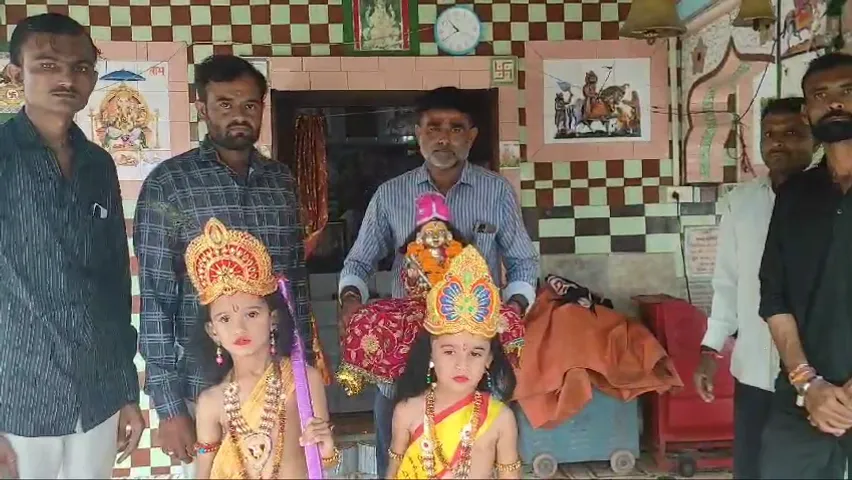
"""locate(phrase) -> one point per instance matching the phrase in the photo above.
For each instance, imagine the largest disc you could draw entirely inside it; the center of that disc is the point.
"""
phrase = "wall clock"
(458, 30)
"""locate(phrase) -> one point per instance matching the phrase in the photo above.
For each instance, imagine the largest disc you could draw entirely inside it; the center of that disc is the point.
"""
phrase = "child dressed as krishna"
(248, 422)
(380, 335)
(447, 422)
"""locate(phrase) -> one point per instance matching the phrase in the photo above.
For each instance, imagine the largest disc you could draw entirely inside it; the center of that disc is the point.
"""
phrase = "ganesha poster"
(128, 115)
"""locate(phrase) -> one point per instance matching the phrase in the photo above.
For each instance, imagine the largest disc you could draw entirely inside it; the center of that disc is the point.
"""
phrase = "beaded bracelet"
(801, 374)
(508, 467)
(212, 447)
(800, 368)
(395, 456)
(333, 460)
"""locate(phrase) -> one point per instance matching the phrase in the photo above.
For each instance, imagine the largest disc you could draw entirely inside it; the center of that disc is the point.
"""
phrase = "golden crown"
(465, 300)
(224, 262)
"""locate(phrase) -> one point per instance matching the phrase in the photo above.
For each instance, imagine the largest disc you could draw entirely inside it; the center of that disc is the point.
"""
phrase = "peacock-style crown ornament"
(224, 262)
(466, 300)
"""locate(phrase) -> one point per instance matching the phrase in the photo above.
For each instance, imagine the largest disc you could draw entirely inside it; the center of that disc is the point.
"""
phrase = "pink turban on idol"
(432, 206)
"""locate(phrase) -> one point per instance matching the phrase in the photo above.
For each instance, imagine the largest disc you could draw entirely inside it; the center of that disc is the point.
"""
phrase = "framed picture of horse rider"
(590, 100)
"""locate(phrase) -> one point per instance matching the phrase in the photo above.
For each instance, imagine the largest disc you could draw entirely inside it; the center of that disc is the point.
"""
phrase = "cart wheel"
(622, 461)
(686, 466)
(545, 466)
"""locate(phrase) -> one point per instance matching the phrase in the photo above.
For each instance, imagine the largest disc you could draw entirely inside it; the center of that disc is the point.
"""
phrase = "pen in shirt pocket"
(484, 227)
(99, 211)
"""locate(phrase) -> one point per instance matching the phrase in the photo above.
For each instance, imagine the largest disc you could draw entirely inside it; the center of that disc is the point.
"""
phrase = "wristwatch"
(802, 390)
(347, 293)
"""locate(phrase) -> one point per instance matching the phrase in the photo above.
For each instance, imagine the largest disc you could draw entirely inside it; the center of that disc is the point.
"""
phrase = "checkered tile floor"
(644, 470)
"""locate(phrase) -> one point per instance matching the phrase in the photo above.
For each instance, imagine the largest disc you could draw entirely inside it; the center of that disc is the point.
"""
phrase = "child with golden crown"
(247, 424)
(447, 423)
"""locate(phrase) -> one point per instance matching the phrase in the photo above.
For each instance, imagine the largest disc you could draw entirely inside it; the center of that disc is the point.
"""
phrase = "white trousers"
(189, 470)
(87, 455)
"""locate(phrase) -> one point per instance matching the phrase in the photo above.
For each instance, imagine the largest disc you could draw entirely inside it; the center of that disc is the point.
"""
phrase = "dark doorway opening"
(370, 139)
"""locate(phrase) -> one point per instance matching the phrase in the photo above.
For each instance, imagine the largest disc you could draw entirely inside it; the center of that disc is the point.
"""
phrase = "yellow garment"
(448, 427)
(226, 464)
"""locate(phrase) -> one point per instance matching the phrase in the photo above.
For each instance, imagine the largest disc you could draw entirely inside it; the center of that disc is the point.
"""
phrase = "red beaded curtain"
(311, 165)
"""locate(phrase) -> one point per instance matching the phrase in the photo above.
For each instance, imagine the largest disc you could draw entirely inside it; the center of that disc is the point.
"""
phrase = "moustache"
(70, 91)
(835, 115)
(240, 124)
(834, 127)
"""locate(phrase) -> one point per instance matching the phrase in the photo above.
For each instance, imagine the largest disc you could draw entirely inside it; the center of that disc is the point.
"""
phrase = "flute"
(303, 390)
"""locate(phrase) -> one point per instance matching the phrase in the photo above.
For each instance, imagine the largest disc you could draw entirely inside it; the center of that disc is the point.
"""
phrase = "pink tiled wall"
(394, 73)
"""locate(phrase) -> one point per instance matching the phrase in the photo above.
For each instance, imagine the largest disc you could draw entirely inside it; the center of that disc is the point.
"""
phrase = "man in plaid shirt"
(224, 178)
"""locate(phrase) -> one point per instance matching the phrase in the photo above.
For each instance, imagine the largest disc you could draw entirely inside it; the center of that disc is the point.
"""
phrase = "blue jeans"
(383, 418)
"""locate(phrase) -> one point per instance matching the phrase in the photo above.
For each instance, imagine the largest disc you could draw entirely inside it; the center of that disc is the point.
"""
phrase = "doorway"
(369, 140)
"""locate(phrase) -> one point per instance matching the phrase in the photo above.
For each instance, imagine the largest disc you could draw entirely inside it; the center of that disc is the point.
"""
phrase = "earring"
(488, 380)
(429, 373)
(272, 349)
(220, 360)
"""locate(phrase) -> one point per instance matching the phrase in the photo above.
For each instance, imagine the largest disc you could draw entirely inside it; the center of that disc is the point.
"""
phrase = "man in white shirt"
(787, 148)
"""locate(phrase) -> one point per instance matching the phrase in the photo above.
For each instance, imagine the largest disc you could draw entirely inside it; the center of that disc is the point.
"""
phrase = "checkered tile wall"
(315, 28)
(610, 205)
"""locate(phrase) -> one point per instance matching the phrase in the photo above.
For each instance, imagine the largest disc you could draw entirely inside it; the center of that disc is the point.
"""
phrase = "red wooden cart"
(685, 433)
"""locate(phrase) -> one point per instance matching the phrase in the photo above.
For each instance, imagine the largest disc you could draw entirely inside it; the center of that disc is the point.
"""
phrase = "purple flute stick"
(303, 391)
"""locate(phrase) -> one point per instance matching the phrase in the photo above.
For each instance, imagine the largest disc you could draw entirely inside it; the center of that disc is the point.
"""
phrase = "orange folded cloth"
(569, 349)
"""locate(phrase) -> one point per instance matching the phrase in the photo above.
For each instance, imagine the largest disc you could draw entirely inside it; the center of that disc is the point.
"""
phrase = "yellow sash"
(448, 427)
(226, 464)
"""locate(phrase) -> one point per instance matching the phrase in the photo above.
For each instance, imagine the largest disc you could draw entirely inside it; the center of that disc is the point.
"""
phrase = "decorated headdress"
(466, 300)
(224, 262)
(432, 206)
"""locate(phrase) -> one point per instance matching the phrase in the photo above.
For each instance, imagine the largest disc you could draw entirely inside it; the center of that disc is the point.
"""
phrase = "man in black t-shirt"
(806, 292)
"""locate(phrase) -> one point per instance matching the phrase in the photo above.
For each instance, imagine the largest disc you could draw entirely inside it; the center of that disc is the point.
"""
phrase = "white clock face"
(458, 30)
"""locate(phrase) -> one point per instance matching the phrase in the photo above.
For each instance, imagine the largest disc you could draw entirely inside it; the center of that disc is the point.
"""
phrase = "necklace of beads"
(247, 438)
(432, 447)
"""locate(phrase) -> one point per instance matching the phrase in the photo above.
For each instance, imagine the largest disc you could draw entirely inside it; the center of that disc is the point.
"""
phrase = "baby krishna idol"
(247, 424)
(447, 421)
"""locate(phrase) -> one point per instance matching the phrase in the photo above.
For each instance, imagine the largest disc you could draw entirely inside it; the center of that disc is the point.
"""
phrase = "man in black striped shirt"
(69, 391)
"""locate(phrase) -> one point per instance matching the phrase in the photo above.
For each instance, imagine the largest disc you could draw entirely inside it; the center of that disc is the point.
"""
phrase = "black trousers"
(751, 411)
(794, 449)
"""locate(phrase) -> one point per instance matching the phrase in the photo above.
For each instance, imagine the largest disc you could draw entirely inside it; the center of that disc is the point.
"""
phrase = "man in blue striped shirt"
(484, 210)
